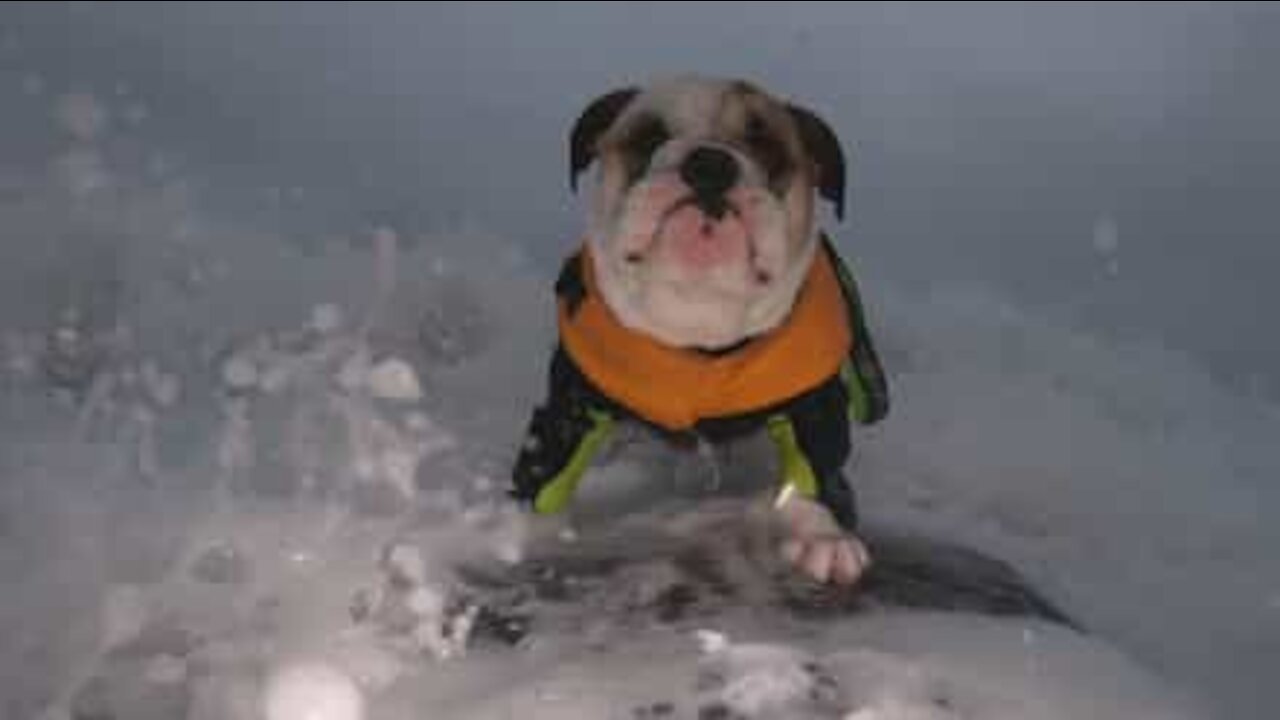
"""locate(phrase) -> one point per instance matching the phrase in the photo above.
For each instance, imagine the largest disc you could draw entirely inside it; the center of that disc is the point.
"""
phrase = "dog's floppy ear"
(597, 118)
(823, 147)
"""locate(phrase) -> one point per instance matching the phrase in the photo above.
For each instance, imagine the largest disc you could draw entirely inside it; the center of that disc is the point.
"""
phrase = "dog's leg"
(816, 544)
(563, 438)
(816, 504)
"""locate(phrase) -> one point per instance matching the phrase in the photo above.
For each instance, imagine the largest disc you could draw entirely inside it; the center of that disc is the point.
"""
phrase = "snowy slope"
(211, 439)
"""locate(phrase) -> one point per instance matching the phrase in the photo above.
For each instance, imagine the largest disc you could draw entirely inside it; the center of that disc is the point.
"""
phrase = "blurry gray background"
(1113, 165)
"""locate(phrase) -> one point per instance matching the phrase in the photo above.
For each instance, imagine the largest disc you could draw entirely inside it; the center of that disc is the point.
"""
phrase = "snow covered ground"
(222, 452)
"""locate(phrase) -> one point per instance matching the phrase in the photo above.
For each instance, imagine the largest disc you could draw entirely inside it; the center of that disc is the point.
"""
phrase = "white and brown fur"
(782, 154)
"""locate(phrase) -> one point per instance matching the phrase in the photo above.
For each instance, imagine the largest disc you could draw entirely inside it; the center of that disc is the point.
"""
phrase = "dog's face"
(702, 227)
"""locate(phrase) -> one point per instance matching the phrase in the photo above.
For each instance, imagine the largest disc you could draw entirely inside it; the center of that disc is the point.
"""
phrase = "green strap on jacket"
(796, 470)
(556, 494)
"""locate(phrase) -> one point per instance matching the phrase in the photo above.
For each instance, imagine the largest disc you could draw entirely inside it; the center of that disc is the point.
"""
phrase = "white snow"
(239, 373)
(124, 615)
(81, 116)
(166, 670)
(405, 563)
(82, 171)
(1106, 236)
(326, 318)
(32, 84)
(1128, 484)
(163, 387)
(395, 379)
(1106, 242)
(312, 691)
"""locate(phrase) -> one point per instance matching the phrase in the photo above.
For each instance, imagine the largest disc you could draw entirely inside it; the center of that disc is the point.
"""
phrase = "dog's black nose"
(710, 172)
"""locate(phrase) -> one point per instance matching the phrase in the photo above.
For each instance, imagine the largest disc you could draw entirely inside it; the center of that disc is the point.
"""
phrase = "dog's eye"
(643, 141)
(648, 136)
(766, 148)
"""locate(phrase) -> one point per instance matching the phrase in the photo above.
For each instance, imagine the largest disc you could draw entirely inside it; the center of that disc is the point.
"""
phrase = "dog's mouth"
(713, 214)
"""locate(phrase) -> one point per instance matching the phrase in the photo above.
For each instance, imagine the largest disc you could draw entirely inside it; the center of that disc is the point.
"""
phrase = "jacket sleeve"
(811, 436)
(811, 433)
(563, 436)
(862, 373)
(567, 431)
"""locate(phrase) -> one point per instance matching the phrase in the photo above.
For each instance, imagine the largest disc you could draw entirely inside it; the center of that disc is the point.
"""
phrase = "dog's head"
(702, 229)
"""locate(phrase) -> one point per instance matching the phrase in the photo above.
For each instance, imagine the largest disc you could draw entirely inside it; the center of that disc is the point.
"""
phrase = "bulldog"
(706, 302)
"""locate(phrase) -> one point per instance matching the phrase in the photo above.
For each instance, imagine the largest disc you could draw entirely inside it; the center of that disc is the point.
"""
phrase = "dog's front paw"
(841, 560)
(816, 544)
